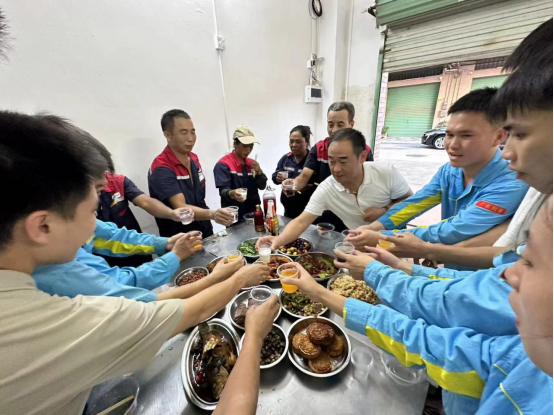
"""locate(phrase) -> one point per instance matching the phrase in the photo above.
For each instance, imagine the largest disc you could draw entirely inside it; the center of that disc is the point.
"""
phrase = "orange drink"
(288, 271)
(233, 256)
(385, 244)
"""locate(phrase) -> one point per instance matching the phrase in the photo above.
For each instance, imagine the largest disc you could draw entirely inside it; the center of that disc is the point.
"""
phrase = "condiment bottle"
(259, 219)
(269, 217)
(269, 194)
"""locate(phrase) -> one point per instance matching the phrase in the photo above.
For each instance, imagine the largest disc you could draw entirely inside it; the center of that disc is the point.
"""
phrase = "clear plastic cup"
(200, 235)
(288, 271)
(344, 247)
(362, 359)
(249, 218)
(122, 391)
(345, 233)
(386, 244)
(265, 252)
(285, 175)
(260, 294)
(234, 256)
(325, 229)
(289, 189)
(186, 215)
(235, 212)
(241, 193)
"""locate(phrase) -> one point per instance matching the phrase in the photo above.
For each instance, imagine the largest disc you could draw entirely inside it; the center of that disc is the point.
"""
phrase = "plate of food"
(190, 275)
(237, 309)
(298, 304)
(318, 347)
(349, 287)
(319, 264)
(274, 347)
(209, 356)
(296, 248)
(248, 249)
(275, 262)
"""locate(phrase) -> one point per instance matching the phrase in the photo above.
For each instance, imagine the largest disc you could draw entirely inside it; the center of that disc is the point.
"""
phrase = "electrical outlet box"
(313, 94)
(220, 43)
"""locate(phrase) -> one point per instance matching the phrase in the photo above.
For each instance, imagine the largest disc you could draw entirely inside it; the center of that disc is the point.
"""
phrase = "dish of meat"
(319, 265)
(275, 262)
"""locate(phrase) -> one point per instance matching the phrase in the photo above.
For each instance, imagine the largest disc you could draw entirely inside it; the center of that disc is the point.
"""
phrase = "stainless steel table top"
(284, 390)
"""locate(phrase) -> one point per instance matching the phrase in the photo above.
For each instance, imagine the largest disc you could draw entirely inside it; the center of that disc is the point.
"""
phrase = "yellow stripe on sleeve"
(434, 277)
(415, 209)
(118, 247)
(465, 383)
(519, 411)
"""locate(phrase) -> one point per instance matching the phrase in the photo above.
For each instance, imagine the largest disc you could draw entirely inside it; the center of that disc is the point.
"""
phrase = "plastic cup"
(249, 218)
(234, 256)
(362, 359)
(186, 215)
(235, 212)
(344, 247)
(265, 252)
(289, 189)
(325, 229)
(345, 233)
(285, 175)
(288, 271)
(200, 235)
(123, 391)
(260, 294)
(386, 244)
(241, 193)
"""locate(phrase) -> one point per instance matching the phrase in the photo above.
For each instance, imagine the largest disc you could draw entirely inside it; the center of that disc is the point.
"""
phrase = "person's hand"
(223, 217)
(259, 319)
(271, 240)
(189, 244)
(355, 262)
(171, 241)
(306, 283)
(280, 177)
(225, 269)
(387, 258)
(407, 245)
(256, 166)
(373, 213)
(363, 237)
(253, 275)
(175, 215)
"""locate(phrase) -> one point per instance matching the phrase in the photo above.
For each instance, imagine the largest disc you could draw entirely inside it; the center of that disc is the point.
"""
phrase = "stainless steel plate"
(189, 271)
(248, 257)
(187, 374)
(338, 363)
(281, 295)
(321, 255)
(296, 256)
(283, 335)
(241, 298)
(219, 258)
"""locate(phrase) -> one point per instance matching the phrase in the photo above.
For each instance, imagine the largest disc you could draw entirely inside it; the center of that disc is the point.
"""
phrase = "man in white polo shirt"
(357, 192)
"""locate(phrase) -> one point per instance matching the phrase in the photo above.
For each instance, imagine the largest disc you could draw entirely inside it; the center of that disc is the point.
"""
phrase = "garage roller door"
(484, 32)
(410, 109)
(488, 81)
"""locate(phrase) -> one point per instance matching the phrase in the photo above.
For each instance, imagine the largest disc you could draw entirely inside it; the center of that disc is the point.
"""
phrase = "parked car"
(434, 138)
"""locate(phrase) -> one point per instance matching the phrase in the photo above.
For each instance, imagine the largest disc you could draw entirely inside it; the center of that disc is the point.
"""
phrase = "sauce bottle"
(259, 219)
(269, 194)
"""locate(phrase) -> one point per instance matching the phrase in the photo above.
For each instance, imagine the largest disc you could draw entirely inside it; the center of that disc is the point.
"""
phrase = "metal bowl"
(281, 295)
(338, 363)
(342, 274)
(189, 271)
(250, 257)
(187, 374)
(219, 258)
(321, 255)
(282, 256)
(296, 256)
(283, 335)
(238, 300)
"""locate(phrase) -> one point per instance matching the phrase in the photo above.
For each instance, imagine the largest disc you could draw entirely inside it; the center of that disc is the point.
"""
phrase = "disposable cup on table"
(289, 271)
(249, 218)
(362, 360)
(325, 229)
(235, 212)
(265, 252)
(116, 396)
(260, 294)
(186, 215)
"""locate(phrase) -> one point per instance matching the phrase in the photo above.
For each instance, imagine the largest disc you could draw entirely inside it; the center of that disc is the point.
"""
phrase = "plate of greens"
(319, 264)
(248, 249)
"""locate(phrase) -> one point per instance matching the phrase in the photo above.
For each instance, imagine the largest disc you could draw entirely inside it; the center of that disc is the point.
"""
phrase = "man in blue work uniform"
(477, 189)
(340, 115)
(176, 178)
(292, 164)
(235, 171)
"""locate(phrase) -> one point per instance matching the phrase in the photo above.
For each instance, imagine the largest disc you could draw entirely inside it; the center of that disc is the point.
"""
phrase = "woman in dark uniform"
(293, 163)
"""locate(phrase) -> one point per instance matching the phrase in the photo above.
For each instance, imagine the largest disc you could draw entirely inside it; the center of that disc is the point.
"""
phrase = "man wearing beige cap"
(236, 171)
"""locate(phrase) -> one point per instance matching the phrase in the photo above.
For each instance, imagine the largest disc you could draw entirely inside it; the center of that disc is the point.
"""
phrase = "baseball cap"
(245, 135)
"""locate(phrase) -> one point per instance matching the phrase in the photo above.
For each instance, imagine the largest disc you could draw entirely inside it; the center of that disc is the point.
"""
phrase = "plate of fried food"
(347, 286)
(318, 347)
(275, 262)
(320, 265)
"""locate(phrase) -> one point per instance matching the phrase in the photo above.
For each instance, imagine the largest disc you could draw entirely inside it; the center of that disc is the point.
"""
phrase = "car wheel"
(438, 142)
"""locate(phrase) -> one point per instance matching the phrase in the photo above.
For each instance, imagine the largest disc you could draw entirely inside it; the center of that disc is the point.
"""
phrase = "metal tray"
(189, 271)
(339, 363)
(238, 300)
(186, 361)
(248, 257)
(296, 256)
(283, 335)
(282, 294)
(319, 255)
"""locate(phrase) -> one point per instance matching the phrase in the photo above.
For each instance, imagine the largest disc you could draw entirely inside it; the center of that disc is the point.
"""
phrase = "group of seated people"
(75, 314)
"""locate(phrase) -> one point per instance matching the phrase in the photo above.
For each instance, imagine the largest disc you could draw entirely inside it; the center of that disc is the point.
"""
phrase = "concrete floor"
(418, 164)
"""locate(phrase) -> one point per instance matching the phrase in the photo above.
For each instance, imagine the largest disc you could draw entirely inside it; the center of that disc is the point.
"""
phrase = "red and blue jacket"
(295, 205)
(168, 177)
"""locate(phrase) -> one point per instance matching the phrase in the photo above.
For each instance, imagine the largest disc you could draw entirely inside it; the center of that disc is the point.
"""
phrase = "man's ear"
(352, 124)
(500, 136)
(37, 227)
(363, 156)
(167, 136)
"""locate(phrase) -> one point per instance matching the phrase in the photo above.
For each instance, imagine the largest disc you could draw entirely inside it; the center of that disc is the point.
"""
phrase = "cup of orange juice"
(386, 244)
(198, 233)
(233, 256)
(288, 271)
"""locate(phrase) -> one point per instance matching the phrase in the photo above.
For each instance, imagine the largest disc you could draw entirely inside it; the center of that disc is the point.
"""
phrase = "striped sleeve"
(120, 242)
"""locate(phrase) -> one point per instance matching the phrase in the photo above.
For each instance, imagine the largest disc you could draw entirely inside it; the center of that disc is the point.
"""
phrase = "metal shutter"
(410, 109)
(488, 81)
(484, 32)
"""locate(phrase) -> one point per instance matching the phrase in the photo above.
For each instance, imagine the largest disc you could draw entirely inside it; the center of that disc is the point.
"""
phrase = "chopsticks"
(117, 405)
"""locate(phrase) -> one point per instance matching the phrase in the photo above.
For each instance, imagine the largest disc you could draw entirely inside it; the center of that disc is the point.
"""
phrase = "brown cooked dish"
(321, 334)
(321, 364)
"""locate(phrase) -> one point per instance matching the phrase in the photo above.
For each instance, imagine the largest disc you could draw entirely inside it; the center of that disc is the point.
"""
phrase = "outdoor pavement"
(418, 164)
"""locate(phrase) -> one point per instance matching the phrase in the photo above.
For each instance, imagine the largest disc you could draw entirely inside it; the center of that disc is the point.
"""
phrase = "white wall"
(114, 66)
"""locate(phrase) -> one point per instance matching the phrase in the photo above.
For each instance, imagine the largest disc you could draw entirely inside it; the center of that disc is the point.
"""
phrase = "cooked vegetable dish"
(248, 248)
(318, 267)
(351, 288)
(300, 304)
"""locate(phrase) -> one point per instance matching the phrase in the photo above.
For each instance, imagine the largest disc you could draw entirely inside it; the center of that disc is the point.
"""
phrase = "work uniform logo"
(116, 198)
(491, 207)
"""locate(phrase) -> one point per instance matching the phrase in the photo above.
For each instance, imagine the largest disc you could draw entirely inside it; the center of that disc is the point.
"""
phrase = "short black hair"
(341, 106)
(476, 101)
(304, 130)
(355, 137)
(168, 118)
(42, 167)
(534, 52)
(3, 35)
(83, 135)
